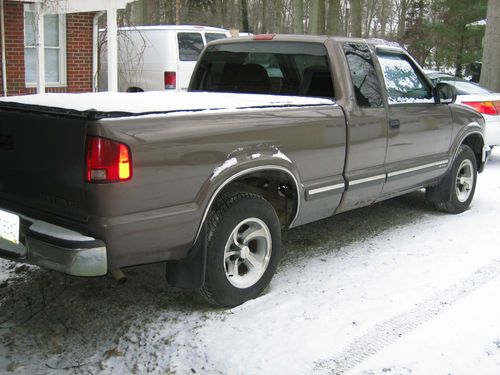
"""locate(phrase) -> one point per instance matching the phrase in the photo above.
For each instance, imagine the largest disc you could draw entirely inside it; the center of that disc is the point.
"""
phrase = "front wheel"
(458, 187)
(243, 249)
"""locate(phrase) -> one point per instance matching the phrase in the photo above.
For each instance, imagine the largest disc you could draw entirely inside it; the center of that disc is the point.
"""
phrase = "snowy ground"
(396, 288)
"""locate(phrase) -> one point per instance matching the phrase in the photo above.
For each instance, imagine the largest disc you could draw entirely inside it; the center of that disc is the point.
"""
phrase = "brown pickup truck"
(276, 132)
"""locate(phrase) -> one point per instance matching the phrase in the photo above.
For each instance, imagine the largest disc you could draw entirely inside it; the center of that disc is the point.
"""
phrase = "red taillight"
(107, 161)
(170, 81)
(486, 108)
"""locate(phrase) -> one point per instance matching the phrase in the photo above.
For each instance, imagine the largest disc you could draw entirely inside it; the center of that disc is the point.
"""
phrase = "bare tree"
(402, 7)
(371, 10)
(490, 72)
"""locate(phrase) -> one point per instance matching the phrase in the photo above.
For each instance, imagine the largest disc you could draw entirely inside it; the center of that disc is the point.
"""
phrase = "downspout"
(40, 48)
(4, 58)
(112, 48)
(95, 51)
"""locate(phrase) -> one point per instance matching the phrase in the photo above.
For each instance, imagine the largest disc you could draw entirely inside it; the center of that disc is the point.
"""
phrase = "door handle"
(394, 124)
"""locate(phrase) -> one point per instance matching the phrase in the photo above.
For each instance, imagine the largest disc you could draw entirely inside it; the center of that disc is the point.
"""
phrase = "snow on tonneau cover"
(43, 138)
(109, 104)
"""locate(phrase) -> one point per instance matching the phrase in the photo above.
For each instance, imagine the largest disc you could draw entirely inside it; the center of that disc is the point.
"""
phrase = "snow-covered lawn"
(395, 288)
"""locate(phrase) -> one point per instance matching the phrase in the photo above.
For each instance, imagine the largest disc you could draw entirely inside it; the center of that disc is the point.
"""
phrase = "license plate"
(9, 227)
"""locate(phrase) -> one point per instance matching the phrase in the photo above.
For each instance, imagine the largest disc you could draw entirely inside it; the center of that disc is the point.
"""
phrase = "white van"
(158, 57)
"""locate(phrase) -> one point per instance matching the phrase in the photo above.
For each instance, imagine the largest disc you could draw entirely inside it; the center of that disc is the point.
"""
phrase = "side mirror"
(444, 93)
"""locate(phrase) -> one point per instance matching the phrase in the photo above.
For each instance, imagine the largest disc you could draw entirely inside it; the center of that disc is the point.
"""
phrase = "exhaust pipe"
(118, 275)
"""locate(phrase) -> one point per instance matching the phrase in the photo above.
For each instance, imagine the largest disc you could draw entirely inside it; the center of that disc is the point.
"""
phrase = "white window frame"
(62, 50)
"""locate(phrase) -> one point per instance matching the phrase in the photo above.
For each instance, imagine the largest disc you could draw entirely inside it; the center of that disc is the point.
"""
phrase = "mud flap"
(442, 191)
(189, 273)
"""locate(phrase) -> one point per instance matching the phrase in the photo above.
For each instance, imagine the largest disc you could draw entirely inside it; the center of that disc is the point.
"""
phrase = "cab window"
(404, 83)
(363, 75)
(281, 68)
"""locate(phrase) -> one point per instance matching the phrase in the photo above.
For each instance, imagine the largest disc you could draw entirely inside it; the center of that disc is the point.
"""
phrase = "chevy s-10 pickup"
(277, 131)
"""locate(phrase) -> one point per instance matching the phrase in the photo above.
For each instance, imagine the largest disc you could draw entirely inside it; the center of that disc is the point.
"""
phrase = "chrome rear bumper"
(57, 248)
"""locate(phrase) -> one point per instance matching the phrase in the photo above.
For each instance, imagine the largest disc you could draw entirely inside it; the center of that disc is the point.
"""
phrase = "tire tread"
(220, 206)
(449, 206)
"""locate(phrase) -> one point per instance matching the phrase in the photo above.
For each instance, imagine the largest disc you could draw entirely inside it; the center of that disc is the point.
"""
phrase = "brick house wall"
(79, 38)
(14, 48)
(79, 42)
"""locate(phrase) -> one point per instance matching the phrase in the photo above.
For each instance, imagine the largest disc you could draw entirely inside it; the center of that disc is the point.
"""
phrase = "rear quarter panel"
(180, 160)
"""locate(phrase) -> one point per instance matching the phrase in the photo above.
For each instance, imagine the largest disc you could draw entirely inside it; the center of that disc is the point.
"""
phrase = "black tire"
(134, 89)
(454, 194)
(237, 216)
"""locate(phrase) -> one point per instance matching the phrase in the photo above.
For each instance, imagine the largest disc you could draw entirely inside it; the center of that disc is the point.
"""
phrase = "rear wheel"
(243, 249)
(458, 187)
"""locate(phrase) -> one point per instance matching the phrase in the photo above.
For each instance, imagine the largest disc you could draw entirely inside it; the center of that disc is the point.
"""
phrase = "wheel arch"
(475, 140)
(274, 181)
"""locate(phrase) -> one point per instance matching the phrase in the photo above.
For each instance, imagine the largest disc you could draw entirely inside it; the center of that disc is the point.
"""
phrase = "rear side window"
(280, 68)
(363, 75)
(190, 46)
(214, 36)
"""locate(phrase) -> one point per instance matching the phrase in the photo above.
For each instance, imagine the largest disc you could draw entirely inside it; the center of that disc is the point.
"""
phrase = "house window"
(55, 48)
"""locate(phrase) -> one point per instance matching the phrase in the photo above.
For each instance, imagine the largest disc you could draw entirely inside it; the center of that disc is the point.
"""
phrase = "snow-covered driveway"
(395, 288)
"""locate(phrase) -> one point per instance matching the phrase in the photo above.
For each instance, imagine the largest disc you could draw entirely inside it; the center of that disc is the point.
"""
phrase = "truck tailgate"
(42, 160)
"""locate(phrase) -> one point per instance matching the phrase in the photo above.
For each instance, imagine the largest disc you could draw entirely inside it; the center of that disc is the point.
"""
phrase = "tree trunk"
(384, 10)
(265, 28)
(402, 18)
(333, 23)
(276, 13)
(221, 10)
(315, 14)
(244, 16)
(356, 18)
(321, 18)
(490, 71)
(298, 16)
(370, 10)
(151, 12)
(177, 12)
(137, 13)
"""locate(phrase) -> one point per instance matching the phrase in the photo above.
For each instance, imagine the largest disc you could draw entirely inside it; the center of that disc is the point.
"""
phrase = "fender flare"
(238, 170)
(189, 273)
(471, 129)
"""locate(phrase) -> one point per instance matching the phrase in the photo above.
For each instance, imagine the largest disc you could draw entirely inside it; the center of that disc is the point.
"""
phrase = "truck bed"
(180, 145)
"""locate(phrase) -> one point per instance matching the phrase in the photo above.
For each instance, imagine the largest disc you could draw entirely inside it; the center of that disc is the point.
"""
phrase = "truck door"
(366, 130)
(419, 131)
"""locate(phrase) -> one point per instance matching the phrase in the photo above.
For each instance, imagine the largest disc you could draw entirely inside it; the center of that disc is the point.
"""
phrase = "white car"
(481, 99)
